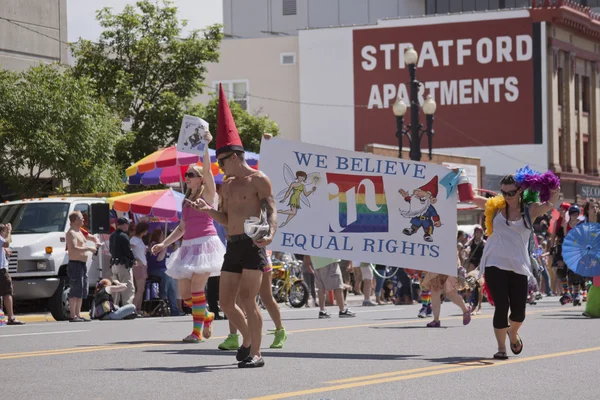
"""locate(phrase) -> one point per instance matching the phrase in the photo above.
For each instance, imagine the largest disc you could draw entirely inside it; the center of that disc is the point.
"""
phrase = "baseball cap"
(123, 220)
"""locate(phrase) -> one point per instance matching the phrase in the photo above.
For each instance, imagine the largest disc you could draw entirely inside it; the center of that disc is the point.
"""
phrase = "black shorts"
(6, 287)
(243, 254)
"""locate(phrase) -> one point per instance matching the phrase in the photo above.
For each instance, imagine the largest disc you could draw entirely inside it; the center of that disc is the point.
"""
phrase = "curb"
(41, 317)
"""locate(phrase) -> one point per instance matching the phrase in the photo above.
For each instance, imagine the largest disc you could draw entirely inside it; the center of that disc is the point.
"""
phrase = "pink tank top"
(197, 224)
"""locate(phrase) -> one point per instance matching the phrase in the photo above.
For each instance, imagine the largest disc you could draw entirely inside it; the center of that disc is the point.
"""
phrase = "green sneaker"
(280, 337)
(231, 343)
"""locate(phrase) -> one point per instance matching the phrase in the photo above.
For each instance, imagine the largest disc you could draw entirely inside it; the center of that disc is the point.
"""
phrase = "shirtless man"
(77, 268)
(244, 194)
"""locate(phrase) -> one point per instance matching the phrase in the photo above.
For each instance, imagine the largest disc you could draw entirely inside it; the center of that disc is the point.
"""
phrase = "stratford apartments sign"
(484, 75)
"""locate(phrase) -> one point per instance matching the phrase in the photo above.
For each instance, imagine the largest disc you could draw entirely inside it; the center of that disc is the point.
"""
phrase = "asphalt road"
(383, 353)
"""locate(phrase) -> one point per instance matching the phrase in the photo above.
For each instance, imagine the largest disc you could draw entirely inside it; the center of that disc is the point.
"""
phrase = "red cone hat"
(228, 138)
(431, 186)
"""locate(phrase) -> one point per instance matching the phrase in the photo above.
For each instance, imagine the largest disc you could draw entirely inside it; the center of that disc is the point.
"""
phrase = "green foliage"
(52, 122)
(250, 127)
(144, 70)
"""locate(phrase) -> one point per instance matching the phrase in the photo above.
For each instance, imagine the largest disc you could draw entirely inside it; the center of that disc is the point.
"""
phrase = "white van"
(38, 263)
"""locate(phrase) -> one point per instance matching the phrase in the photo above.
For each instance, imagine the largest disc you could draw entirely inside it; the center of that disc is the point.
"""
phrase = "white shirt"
(139, 249)
(507, 247)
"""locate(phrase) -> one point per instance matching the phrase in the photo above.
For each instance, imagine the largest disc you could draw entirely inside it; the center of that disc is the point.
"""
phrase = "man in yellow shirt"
(328, 276)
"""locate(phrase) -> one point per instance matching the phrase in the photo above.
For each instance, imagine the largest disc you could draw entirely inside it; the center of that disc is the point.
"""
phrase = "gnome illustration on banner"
(420, 210)
(228, 138)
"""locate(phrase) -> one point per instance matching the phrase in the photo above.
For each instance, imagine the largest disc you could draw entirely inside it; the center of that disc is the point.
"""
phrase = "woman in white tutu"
(201, 253)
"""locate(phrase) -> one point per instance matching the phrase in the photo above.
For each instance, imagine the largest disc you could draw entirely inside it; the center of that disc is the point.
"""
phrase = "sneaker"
(280, 337)
(347, 314)
(429, 312)
(423, 312)
(368, 303)
(577, 300)
(192, 339)
(433, 324)
(249, 362)
(243, 353)
(231, 343)
(565, 299)
(324, 314)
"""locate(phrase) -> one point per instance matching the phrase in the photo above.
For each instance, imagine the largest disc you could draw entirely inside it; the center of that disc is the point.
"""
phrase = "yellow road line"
(74, 351)
(150, 344)
(410, 374)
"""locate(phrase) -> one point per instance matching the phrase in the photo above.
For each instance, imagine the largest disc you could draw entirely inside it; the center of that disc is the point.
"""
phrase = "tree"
(250, 127)
(52, 122)
(145, 72)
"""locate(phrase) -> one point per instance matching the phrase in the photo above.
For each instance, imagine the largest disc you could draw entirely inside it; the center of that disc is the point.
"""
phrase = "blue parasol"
(581, 249)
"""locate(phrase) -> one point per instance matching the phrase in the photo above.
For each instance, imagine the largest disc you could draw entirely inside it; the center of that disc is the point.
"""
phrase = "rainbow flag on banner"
(362, 203)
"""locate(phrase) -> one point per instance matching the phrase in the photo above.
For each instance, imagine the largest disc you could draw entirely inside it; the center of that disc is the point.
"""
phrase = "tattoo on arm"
(268, 205)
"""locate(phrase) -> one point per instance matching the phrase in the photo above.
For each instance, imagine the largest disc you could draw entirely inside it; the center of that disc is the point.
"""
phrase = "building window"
(290, 7)
(577, 92)
(235, 90)
(560, 82)
(455, 6)
(587, 168)
(287, 58)
(585, 94)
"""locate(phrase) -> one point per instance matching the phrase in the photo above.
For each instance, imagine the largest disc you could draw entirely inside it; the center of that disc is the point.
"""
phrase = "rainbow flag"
(365, 195)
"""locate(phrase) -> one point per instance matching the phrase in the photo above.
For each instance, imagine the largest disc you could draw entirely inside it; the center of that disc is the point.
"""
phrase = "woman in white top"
(505, 261)
(140, 269)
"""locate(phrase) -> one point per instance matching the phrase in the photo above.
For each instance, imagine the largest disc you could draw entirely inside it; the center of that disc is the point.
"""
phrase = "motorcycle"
(287, 285)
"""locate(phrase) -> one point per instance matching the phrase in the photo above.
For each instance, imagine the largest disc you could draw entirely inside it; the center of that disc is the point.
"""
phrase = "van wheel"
(59, 302)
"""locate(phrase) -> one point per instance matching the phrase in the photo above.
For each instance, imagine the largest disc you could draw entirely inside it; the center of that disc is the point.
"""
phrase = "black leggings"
(212, 294)
(508, 290)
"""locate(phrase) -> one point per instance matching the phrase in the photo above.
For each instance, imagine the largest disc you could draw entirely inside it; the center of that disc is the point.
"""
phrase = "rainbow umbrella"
(174, 173)
(164, 203)
(162, 158)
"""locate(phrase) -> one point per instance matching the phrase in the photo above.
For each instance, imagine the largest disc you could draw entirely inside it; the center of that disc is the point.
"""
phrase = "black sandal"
(501, 355)
(518, 345)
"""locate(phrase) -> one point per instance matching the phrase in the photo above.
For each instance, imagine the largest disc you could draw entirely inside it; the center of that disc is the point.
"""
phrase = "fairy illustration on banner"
(296, 191)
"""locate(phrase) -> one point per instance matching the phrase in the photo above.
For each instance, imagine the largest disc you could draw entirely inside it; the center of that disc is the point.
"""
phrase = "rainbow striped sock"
(426, 298)
(188, 302)
(198, 311)
(565, 285)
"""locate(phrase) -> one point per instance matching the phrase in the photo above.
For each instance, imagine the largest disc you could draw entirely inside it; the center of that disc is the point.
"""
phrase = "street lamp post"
(414, 132)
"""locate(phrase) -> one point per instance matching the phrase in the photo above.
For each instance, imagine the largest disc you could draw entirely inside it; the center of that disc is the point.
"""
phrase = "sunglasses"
(221, 161)
(191, 175)
(509, 193)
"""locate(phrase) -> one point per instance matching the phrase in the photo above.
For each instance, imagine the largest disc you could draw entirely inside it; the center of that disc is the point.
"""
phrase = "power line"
(32, 30)
(451, 126)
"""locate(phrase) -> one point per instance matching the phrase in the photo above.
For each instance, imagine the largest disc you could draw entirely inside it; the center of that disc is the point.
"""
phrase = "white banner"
(190, 135)
(362, 207)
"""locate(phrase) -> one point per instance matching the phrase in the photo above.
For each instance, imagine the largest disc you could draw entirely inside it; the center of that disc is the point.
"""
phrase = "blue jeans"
(167, 289)
(122, 312)
(379, 281)
(546, 277)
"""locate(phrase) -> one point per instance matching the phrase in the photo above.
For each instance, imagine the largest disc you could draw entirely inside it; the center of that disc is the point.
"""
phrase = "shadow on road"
(185, 370)
(410, 327)
(471, 361)
(278, 354)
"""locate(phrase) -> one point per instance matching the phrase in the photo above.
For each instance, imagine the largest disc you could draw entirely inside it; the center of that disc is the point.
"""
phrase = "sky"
(81, 15)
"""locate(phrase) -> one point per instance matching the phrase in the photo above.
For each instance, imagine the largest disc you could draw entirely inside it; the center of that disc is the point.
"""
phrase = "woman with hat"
(201, 253)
